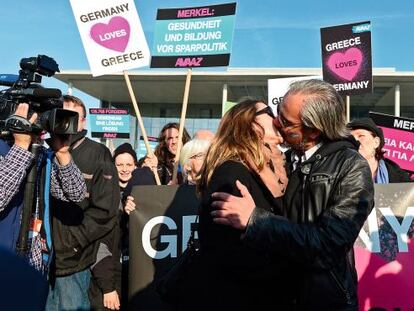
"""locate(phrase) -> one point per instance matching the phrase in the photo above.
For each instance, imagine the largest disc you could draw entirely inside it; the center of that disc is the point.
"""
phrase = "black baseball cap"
(368, 124)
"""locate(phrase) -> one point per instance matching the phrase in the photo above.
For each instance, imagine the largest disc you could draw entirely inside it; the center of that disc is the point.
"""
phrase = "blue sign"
(194, 37)
(109, 123)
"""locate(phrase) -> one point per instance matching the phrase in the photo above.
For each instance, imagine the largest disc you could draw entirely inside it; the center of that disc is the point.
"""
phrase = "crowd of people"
(275, 228)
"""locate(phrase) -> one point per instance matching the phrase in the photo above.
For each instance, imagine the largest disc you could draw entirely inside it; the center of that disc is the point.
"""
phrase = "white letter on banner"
(170, 239)
(400, 230)
(187, 221)
(371, 241)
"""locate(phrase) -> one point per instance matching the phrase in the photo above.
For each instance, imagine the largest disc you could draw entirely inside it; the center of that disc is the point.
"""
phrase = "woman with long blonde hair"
(244, 149)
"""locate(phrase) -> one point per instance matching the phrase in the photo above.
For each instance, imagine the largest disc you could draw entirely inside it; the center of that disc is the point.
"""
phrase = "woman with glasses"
(229, 275)
(191, 159)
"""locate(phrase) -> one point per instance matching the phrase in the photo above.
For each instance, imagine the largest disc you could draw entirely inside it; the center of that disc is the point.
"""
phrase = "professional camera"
(46, 102)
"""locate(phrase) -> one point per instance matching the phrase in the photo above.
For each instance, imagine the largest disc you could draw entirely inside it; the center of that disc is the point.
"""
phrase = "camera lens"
(62, 125)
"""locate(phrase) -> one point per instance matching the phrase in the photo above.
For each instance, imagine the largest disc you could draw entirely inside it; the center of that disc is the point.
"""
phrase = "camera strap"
(18, 124)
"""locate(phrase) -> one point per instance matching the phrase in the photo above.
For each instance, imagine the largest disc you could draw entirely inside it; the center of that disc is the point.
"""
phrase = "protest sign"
(159, 231)
(114, 41)
(384, 251)
(346, 57)
(399, 138)
(109, 123)
(277, 88)
(111, 34)
(193, 37)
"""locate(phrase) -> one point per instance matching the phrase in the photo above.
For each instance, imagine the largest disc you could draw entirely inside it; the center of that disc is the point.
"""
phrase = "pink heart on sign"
(345, 65)
(114, 35)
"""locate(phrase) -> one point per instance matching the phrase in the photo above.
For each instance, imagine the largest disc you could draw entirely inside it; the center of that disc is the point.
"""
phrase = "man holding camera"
(56, 175)
(78, 228)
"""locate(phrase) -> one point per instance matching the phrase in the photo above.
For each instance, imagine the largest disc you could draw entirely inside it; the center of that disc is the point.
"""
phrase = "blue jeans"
(70, 293)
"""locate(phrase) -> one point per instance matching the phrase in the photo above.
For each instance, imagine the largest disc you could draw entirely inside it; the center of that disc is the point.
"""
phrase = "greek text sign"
(399, 138)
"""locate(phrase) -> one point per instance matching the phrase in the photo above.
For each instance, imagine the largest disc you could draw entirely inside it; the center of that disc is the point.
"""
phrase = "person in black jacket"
(371, 139)
(78, 228)
(105, 290)
(245, 151)
(329, 196)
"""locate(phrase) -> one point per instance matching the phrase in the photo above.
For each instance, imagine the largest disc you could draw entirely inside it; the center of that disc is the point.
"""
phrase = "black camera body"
(46, 102)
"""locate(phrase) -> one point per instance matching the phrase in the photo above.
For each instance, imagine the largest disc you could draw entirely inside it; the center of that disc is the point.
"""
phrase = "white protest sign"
(277, 88)
(111, 34)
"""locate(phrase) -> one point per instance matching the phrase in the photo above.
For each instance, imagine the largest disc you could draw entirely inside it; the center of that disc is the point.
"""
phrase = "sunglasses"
(281, 121)
(267, 110)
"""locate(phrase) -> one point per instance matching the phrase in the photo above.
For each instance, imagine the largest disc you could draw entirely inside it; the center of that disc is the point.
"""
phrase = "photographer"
(14, 162)
(78, 229)
(64, 181)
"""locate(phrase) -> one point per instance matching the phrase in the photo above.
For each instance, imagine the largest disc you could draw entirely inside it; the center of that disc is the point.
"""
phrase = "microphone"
(8, 79)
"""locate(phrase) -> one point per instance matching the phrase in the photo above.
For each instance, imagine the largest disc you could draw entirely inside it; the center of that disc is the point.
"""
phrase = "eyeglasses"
(282, 122)
(267, 110)
(198, 156)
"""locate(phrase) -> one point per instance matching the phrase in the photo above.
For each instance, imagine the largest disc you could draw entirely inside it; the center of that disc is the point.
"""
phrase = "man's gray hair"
(323, 108)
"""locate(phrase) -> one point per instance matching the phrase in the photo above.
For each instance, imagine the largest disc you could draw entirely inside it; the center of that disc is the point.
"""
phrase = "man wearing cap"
(328, 198)
(371, 139)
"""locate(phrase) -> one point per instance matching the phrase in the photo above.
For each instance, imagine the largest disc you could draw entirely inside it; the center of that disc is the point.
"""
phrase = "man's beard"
(299, 147)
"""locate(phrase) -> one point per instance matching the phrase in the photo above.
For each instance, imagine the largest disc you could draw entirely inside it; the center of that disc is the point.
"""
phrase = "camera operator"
(65, 181)
(14, 162)
(78, 229)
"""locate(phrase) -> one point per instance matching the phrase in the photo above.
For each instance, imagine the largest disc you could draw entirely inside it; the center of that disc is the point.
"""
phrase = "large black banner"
(159, 230)
(384, 252)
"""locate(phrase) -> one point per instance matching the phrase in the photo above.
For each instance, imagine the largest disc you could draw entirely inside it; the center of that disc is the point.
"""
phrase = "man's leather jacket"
(326, 204)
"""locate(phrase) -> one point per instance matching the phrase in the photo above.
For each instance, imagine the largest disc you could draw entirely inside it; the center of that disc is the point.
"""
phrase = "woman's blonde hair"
(236, 139)
(192, 148)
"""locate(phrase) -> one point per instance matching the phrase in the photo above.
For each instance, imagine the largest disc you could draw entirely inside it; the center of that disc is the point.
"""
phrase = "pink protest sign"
(346, 57)
(384, 251)
(399, 138)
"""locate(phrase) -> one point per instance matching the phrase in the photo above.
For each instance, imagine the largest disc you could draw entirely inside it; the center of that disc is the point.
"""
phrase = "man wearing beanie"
(371, 139)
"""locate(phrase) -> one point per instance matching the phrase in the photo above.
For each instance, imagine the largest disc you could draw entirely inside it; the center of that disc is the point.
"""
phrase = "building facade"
(160, 93)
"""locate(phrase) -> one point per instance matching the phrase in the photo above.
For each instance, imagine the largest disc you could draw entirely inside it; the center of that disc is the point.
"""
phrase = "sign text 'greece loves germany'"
(111, 34)
(193, 37)
(346, 57)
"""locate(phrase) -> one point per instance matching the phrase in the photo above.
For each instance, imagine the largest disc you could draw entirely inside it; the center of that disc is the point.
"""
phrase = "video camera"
(46, 102)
